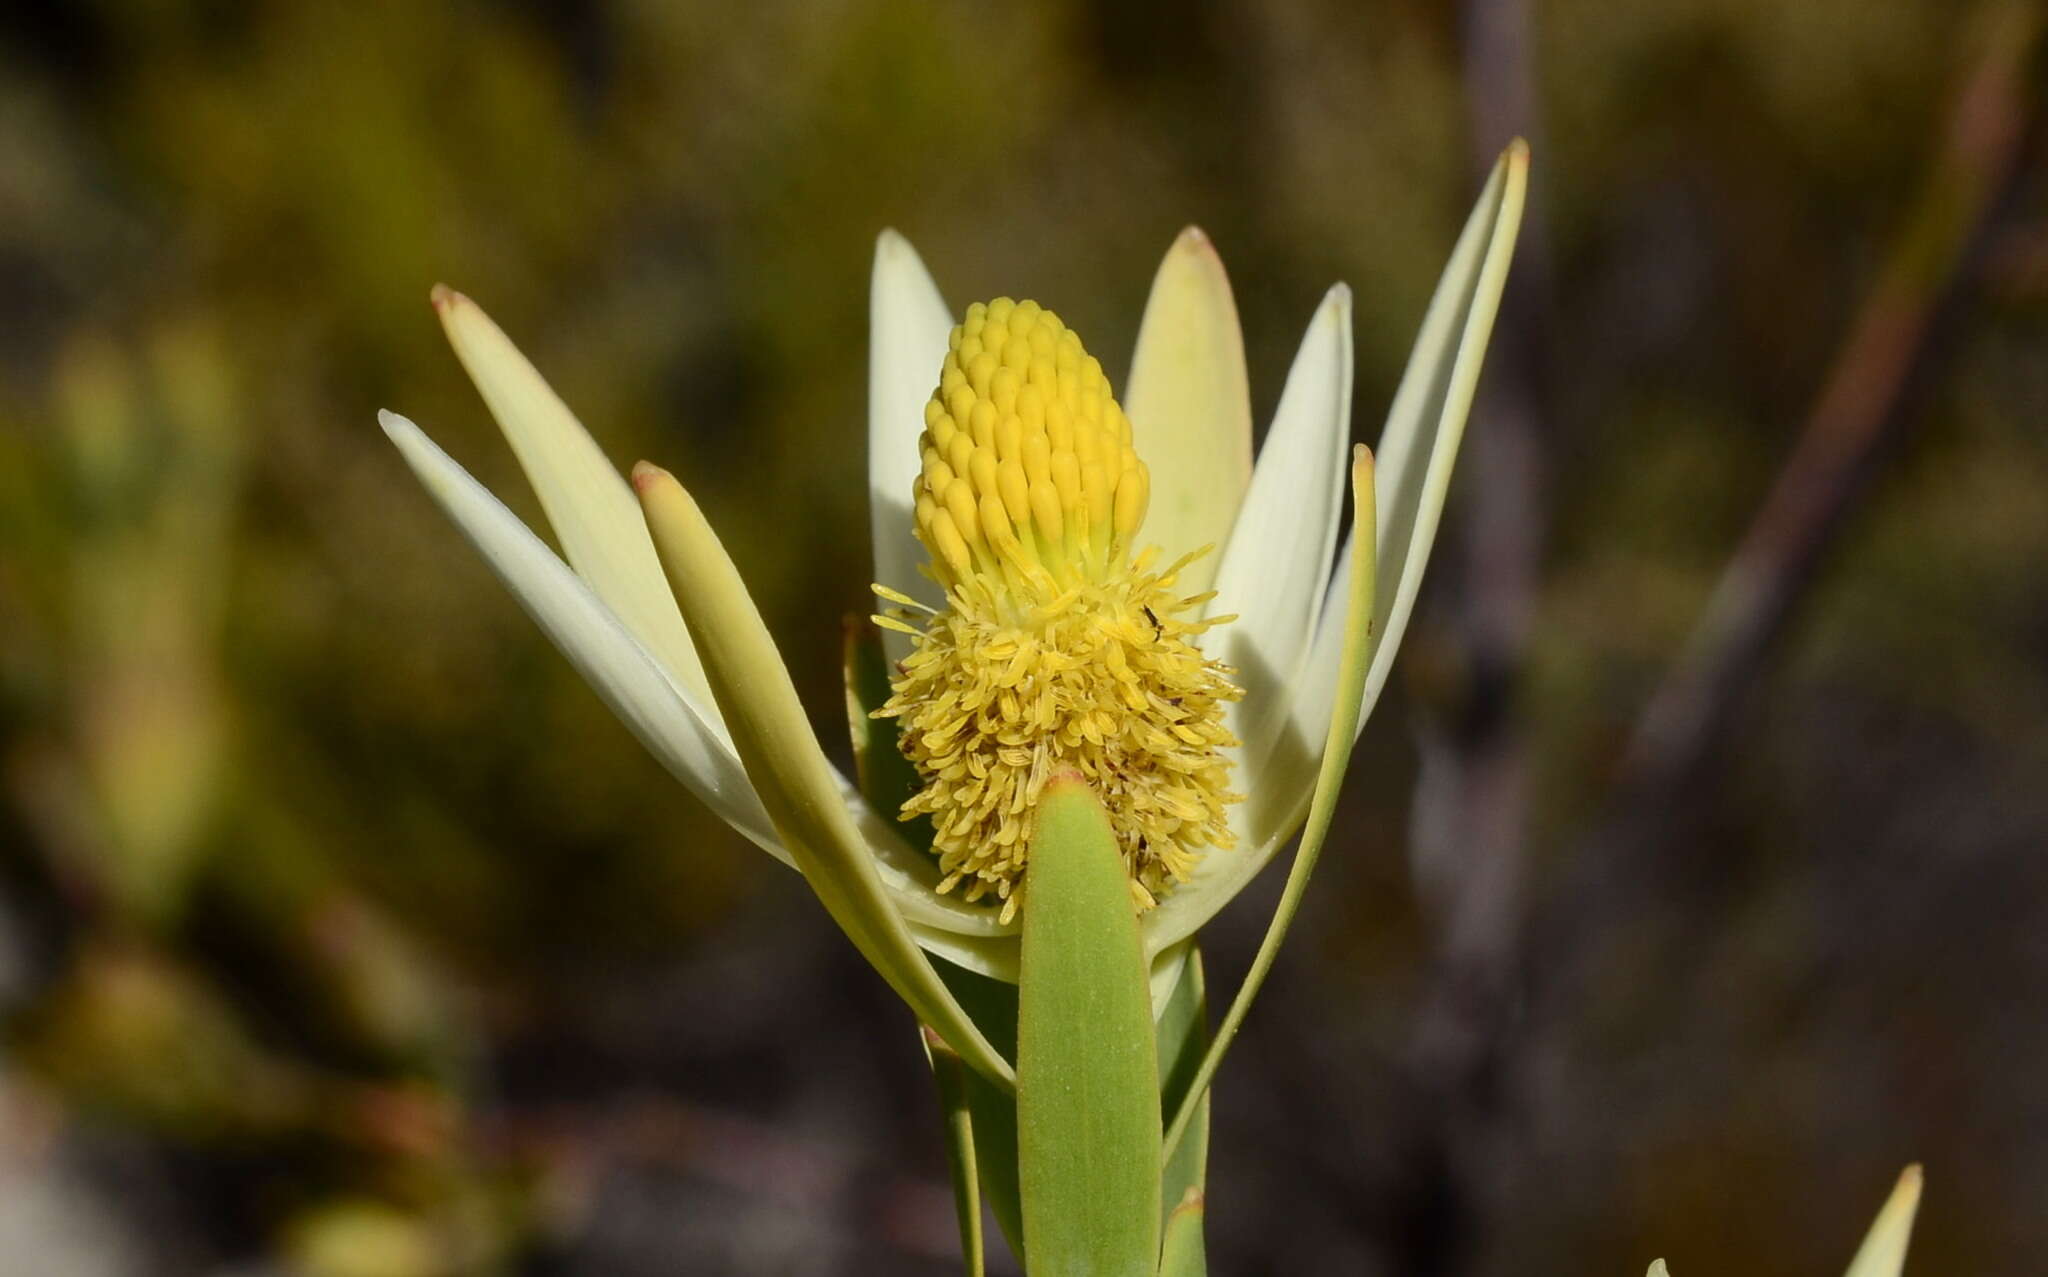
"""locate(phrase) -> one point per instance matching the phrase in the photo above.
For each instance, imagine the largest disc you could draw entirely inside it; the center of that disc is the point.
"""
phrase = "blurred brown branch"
(1895, 340)
(1895, 345)
(1470, 823)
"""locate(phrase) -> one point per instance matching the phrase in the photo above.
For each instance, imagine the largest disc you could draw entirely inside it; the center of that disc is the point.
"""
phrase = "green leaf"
(1087, 1067)
(1346, 706)
(1183, 1031)
(1883, 1253)
(788, 769)
(1182, 1254)
(951, 1076)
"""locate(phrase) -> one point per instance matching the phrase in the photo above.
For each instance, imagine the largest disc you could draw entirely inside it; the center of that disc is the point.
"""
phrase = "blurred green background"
(344, 934)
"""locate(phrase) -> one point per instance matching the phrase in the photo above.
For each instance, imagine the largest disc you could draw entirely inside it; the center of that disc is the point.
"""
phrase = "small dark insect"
(1153, 617)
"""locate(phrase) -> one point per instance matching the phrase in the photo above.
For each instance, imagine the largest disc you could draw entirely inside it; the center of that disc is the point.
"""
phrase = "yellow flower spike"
(1064, 654)
(785, 764)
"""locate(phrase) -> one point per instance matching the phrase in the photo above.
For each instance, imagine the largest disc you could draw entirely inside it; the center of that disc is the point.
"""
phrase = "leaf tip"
(647, 476)
(1063, 781)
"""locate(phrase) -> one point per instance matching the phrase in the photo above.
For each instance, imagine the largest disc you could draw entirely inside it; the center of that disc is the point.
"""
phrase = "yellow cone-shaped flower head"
(1061, 646)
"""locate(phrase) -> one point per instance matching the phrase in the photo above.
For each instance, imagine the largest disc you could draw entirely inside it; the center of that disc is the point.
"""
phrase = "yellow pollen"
(1060, 648)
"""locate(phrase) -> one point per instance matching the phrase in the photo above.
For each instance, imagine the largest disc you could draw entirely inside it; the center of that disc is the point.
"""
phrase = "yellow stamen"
(1057, 650)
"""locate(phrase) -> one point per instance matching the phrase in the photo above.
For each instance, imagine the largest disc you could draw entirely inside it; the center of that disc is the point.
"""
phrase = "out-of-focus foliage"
(343, 933)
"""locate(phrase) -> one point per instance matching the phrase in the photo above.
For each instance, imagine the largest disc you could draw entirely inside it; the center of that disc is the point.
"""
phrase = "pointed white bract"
(1276, 569)
(615, 619)
(1424, 428)
(585, 498)
(908, 328)
(1189, 401)
(625, 674)
(1417, 450)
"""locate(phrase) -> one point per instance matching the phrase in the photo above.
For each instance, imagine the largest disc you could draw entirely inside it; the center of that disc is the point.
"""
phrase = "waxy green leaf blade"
(788, 768)
(1087, 1066)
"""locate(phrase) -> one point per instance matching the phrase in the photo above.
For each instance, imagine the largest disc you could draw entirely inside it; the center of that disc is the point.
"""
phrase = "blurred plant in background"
(309, 958)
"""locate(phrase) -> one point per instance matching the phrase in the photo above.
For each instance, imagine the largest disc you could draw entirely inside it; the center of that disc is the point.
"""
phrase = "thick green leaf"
(788, 770)
(1183, 1254)
(1183, 1031)
(1883, 1253)
(1087, 1067)
(1346, 706)
(951, 1076)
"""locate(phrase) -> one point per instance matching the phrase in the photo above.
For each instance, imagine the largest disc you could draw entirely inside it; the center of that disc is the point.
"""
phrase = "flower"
(702, 686)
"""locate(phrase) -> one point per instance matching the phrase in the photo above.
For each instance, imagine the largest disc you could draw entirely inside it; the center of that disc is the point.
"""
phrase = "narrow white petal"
(630, 681)
(1190, 406)
(1277, 566)
(1418, 448)
(586, 500)
(1274, 808)
(908, 328)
